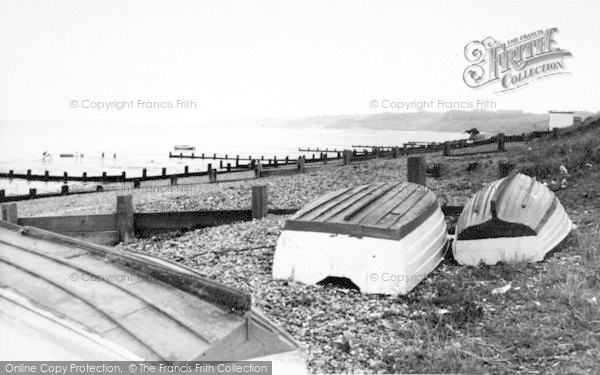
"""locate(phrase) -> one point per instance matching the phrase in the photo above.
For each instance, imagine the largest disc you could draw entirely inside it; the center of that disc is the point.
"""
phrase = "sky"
(59, 60)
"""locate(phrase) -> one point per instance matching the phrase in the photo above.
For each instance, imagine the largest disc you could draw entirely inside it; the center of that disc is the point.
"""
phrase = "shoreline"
(448, 322)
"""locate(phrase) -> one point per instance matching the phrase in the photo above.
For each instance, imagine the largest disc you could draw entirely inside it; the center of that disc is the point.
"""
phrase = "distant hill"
(510, 122)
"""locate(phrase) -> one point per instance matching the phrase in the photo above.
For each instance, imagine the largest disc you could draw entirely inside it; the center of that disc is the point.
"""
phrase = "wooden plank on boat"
(381, 211)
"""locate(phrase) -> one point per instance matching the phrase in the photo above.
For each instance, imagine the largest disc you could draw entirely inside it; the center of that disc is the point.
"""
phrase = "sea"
(129, 148)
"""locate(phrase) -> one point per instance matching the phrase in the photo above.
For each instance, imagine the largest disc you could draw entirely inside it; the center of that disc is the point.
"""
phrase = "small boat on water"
(384, 238)
(65, 299)
(184, 148)
(514, 219)
(67, 155)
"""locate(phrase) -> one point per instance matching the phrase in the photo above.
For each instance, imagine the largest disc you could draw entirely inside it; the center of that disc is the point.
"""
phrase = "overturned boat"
(384, 238)
(65, 299)
(511, 220)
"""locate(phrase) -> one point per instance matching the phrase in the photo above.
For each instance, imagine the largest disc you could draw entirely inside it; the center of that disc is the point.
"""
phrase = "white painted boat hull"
(523, 249)
(375, 265)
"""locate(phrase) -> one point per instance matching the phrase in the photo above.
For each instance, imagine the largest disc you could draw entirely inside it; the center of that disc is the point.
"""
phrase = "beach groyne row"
(323, 157)
(268, 162)
(123, 177)
(257, 168)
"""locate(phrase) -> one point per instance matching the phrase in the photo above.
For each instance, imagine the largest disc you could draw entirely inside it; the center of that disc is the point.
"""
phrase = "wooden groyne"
(317, 149)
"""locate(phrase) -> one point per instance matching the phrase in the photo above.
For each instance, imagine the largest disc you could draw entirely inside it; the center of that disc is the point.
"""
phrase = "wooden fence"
(125, 223)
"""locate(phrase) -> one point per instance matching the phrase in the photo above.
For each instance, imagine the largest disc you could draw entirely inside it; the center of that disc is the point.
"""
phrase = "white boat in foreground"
(511, 220)
(385, 238)
(65, 299)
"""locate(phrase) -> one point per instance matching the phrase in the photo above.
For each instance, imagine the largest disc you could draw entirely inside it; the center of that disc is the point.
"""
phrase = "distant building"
(560, 119)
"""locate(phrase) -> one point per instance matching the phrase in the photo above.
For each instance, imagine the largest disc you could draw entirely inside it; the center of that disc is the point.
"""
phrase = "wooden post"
(501, 142)
(186, 170)
(65, 176)
(347, 157)
(212, 176)
(46, 175)
(228, 167)
(136, 184)
(259, 201)
(32, 192)
(10, 173)
(416, 170)
(103, 174)
(221, 164)
(125, 227)
(504, 168)
(258, 170)
(144, 173)
(436, 170)
(301, 163)
(164, 172)
(237, 161)
(173, 180)
(123, 176)
(84, 176)
(2, 195)
(203, 155)
(64, 190)
(28, 174)
(446, 149)
(9, 212)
